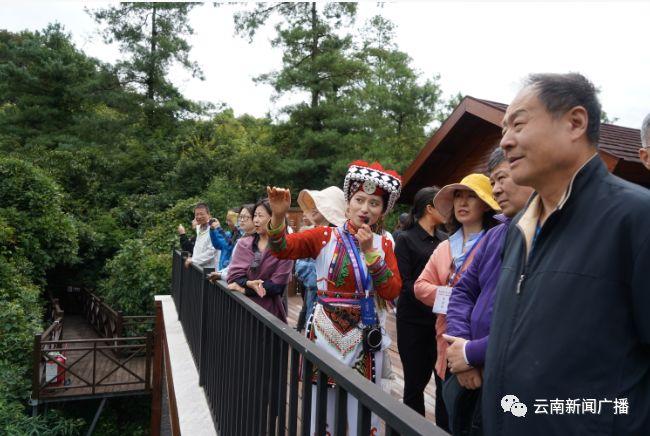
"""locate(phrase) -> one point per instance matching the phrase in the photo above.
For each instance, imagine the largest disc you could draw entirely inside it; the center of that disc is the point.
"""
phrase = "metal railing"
(119, 360)
(82, 369)
(250, 366)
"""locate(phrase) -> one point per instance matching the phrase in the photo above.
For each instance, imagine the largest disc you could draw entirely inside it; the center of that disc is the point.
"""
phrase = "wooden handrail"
(104, 319)
(51, 330)
(113, 346)
(100, 301)
(83, 341)
(118, 353)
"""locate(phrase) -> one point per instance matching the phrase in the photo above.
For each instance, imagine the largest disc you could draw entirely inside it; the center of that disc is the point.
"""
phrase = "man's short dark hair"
(203, 206)
(561, 92)
(496, 158)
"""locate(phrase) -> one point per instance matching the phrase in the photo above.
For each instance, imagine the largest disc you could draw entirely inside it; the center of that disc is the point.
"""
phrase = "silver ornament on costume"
(369, 187)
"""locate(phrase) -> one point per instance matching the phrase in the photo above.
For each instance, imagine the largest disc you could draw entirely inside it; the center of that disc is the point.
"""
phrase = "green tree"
(448, 106)
(396, 105)
(52, 96)
(153, 36)
(30, 205)
(317, 60)
(35, 236)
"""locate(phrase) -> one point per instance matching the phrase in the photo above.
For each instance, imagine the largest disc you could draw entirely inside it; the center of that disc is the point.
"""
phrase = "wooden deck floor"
(295, 304)
(98, 367)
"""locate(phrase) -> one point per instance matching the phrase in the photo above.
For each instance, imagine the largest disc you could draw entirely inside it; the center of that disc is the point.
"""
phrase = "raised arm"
(296, 245)
(218, 237)
(280, 201)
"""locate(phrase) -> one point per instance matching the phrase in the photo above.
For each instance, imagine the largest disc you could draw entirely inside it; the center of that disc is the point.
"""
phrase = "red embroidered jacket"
(387, 282)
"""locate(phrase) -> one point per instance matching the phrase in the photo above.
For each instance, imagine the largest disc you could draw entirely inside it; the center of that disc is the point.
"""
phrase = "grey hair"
(496, 158)
(645, 132)
(561, 92)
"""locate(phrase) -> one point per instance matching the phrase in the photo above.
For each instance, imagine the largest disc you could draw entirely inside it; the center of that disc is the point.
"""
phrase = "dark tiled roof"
(621, 142)
(494, 104)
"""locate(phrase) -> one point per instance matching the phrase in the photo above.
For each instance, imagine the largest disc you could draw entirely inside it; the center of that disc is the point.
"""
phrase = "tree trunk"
(315, 92)
(152, 56)
(151, 75)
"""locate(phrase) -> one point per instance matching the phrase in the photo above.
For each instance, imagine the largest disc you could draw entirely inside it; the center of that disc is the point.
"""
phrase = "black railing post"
(202, 325)
(363, 419)
(340, 411)
(321, 403)
(307, 371)
(253, 368)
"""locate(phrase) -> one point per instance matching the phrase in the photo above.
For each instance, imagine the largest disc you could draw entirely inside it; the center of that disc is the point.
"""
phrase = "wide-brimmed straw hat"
(478, 183)
(330, 202)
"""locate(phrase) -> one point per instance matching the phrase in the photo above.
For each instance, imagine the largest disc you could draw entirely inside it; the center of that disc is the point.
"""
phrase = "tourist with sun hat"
(468, 208)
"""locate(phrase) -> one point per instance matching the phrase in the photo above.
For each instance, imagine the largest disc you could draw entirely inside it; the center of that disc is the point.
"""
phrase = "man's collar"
(527, 223)
(567, 193)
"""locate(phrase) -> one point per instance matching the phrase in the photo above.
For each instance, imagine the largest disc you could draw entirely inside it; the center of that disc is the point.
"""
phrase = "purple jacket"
(470, 307)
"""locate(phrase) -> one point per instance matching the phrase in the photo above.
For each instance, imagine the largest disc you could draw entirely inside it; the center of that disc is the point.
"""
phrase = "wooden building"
(464, 142)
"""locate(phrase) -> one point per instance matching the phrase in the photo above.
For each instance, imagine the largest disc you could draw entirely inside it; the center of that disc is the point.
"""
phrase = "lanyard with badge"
(372, 336)
(443, 293)
(361, 278)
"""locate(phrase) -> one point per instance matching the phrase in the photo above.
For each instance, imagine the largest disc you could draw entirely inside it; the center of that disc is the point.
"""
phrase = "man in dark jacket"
(569, 348)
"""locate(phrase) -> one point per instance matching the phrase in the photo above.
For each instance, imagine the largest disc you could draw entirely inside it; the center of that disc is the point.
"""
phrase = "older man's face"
(536, 144)
(201, 216)
(511, 197)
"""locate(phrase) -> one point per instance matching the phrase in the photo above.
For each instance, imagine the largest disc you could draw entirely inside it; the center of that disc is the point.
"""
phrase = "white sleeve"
(465, 353)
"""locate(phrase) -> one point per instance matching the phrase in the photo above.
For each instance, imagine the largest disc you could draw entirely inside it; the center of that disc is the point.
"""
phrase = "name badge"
(443, 294)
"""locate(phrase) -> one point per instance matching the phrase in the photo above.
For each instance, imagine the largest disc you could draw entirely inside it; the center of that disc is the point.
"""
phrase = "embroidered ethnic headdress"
(374, 180)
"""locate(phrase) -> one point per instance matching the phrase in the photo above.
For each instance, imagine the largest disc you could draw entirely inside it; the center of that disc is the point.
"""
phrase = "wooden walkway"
(397, 388)
(94, 368)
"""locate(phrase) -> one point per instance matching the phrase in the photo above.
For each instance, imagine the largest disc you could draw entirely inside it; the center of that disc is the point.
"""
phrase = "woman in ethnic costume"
(354, 265)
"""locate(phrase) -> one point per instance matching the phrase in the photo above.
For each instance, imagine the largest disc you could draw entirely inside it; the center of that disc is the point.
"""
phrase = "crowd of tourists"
(515, 288)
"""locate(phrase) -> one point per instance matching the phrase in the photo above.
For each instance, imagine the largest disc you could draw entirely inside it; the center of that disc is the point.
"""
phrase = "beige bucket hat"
(330, 202)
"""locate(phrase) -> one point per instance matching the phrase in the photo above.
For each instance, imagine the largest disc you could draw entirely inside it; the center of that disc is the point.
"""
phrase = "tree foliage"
(153, 36)
(30, 206)
(35, 235)
(101, 162)
(52, 96)
(364, 99)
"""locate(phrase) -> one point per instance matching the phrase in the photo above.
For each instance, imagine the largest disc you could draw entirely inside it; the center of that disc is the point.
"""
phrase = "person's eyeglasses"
(244, 218)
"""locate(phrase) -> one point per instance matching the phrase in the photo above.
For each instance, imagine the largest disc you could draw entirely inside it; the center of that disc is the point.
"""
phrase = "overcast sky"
(480, 48)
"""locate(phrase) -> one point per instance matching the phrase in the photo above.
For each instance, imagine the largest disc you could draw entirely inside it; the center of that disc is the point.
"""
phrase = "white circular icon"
(507, 401)
(519, 410)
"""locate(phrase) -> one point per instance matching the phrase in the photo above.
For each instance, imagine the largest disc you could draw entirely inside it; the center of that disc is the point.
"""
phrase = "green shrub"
(30, 205)
(135, 275)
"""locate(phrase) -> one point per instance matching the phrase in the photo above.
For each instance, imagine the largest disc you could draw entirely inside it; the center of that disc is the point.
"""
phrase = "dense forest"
(100, 162)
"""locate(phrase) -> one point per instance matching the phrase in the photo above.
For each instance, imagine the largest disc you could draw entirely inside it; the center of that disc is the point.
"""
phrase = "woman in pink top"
(468, 208)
